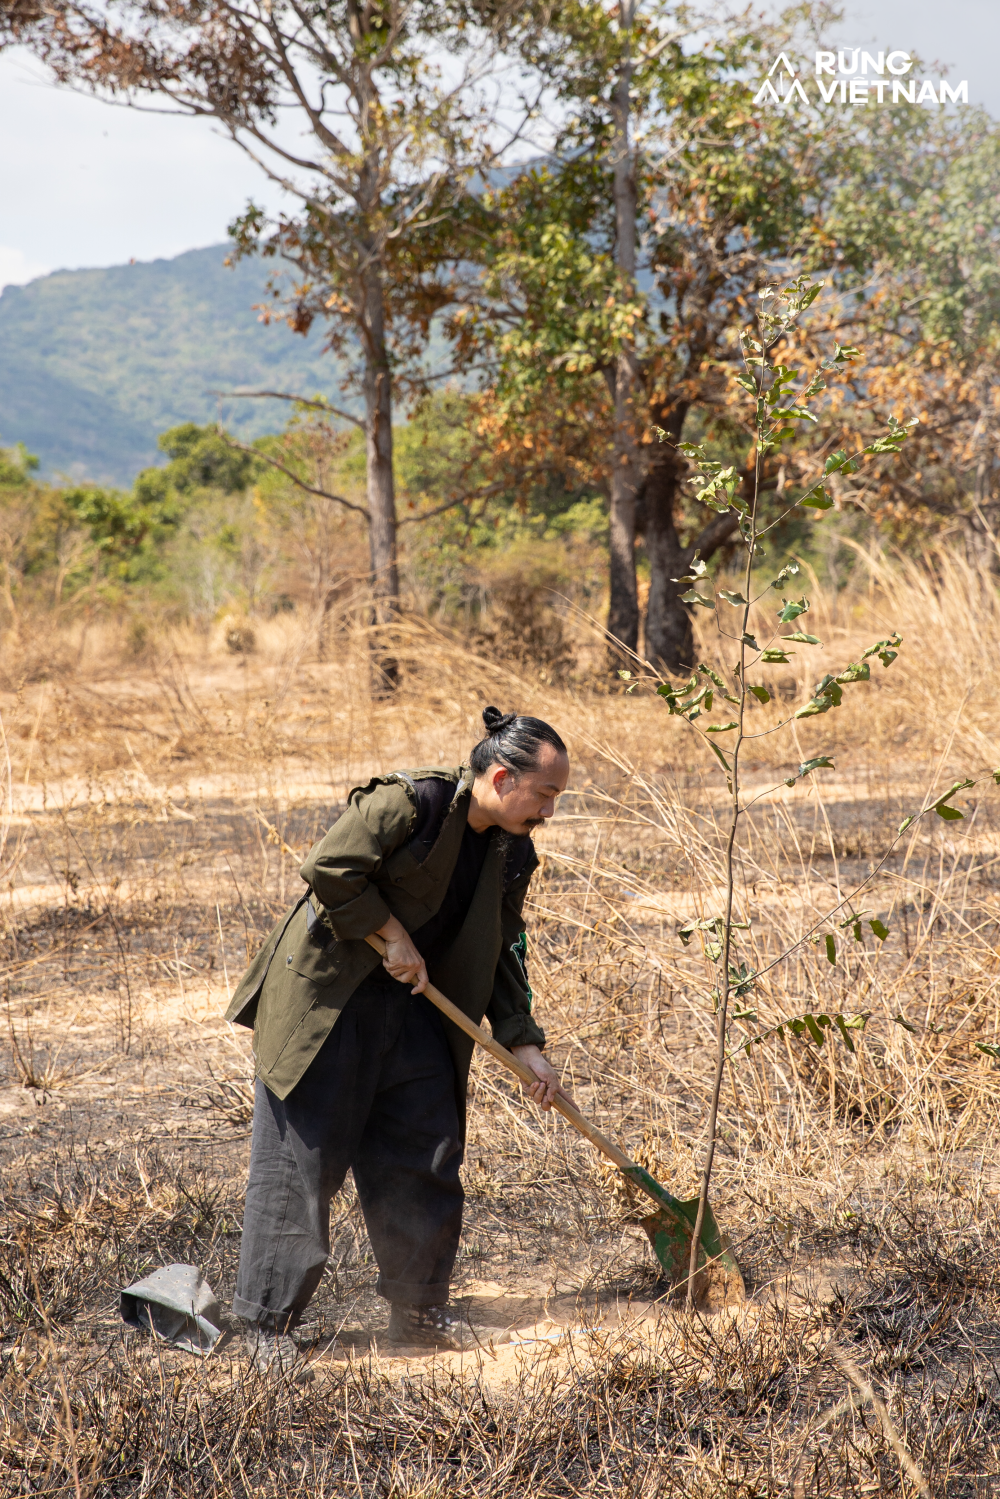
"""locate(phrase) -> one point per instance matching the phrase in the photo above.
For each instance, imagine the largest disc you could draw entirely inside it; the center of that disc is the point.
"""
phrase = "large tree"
(343, 105)
(727, 198)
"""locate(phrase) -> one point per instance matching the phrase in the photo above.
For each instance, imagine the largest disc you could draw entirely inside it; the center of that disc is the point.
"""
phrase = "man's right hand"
(401, 959)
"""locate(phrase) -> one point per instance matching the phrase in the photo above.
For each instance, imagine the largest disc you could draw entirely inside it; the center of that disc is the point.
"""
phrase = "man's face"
(524, 803)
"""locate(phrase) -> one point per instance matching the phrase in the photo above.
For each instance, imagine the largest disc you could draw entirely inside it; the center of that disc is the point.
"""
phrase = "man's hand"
(548, 1086)
(401, 959)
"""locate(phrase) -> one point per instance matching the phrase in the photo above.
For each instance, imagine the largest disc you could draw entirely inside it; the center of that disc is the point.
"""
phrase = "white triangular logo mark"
(782, 61)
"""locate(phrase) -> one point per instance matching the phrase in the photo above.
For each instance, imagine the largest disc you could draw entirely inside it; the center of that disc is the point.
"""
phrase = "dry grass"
(861, 1190)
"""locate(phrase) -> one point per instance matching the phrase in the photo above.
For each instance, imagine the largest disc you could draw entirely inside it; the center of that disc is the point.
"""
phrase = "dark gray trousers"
(379, 1099)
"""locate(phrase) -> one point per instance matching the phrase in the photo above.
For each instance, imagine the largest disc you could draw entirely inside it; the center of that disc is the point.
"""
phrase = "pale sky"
(83, 183)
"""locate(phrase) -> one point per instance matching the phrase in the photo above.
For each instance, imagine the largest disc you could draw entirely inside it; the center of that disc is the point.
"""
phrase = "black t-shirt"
(434, 938)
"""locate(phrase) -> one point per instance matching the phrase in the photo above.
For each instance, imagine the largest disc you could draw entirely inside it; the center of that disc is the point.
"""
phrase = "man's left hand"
(548, 1085)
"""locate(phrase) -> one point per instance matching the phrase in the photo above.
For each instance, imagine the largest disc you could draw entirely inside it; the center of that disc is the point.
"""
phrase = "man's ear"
(499, 776)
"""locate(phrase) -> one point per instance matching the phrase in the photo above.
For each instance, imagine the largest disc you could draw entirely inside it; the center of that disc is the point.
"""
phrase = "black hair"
(512, 740)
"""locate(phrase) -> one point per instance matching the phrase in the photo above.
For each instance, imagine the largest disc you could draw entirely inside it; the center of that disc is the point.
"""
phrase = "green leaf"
(719, 756)
(841, 1025)
(951, 814)
(812, 1026)
(819, 500)
(886, 650)
(881, 931)
(692, 597)
(774, 655)
(905, 824)
(818, 705)
(831, 948)
(819, 762)
(856, 931)
(792, 610)
(858, 671)
(905, 1024)
(692, 450)
(988, 1050)
(713, 950)
(846, 353)
(835, 462)
(760, 693)
(996, 776)
(747, 639)
(802, 639)
(730, 597)
(788, 571)
(721, 728)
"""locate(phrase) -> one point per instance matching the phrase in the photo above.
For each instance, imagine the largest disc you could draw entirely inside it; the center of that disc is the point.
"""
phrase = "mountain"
(94, 364)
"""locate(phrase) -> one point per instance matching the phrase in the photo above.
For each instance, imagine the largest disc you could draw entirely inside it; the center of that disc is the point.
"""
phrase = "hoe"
(718, 1282)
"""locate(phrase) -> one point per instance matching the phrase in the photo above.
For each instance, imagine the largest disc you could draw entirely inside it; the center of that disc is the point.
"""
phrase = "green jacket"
(365, 869)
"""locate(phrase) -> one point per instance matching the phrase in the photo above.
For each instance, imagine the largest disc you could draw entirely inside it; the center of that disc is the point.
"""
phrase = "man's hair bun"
(495, 721)
(512, 740)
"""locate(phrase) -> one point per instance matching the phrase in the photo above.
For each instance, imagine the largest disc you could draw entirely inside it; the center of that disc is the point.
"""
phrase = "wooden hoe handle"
(485, 1040)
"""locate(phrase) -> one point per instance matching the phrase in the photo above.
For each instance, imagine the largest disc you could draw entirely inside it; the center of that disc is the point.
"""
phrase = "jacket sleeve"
(340, 868)
(509, 1009)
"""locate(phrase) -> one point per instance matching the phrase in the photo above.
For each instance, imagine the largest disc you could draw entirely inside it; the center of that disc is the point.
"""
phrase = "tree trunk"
(669, 639)
(378, 438)
(623, 611)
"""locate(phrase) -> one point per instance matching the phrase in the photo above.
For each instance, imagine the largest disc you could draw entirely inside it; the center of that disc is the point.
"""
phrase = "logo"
(853, 77)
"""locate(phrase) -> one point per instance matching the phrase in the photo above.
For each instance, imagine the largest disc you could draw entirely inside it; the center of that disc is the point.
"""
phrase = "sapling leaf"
(881, 931)
(693, 597)
(789, 781)
(747, 385)
(748, 639)
(760, 693)
(996, 776)
(817, 500)
(750, 1015)
(788, 571)
(714, 676)
(988, 1050)
(721, 728)
(689, 449)
(845, 353)
(818, 762)
(841, 1025)
(857, 671)
(951, 814)
(720, 757)
(731, 597)
(802, 639)
(812, 1023)
(774, 655)
(713, 950)
(792, 610)
(856, 931)
(905, 1024)
(905, 824)
(831, 948)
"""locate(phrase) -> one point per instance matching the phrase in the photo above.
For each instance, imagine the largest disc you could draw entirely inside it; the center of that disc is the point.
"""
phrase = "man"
(356, 1069)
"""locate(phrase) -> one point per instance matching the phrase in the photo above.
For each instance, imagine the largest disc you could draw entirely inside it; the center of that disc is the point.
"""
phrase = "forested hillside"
(96, 363)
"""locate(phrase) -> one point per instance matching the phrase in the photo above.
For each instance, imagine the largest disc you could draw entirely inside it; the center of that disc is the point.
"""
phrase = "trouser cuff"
(265, 1317)
(412, 1293)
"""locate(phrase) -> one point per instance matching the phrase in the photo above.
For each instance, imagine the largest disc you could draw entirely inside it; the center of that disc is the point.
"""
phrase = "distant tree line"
(582, 198)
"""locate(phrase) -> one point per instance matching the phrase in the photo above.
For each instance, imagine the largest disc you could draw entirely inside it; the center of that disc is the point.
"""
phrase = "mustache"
(533, 822)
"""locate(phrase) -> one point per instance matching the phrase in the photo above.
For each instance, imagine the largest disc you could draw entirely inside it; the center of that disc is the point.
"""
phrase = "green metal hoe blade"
(718, 1282)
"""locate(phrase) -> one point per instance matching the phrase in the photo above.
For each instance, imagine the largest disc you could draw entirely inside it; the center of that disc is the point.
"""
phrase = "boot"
(440, 1327)
(276, 1353)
